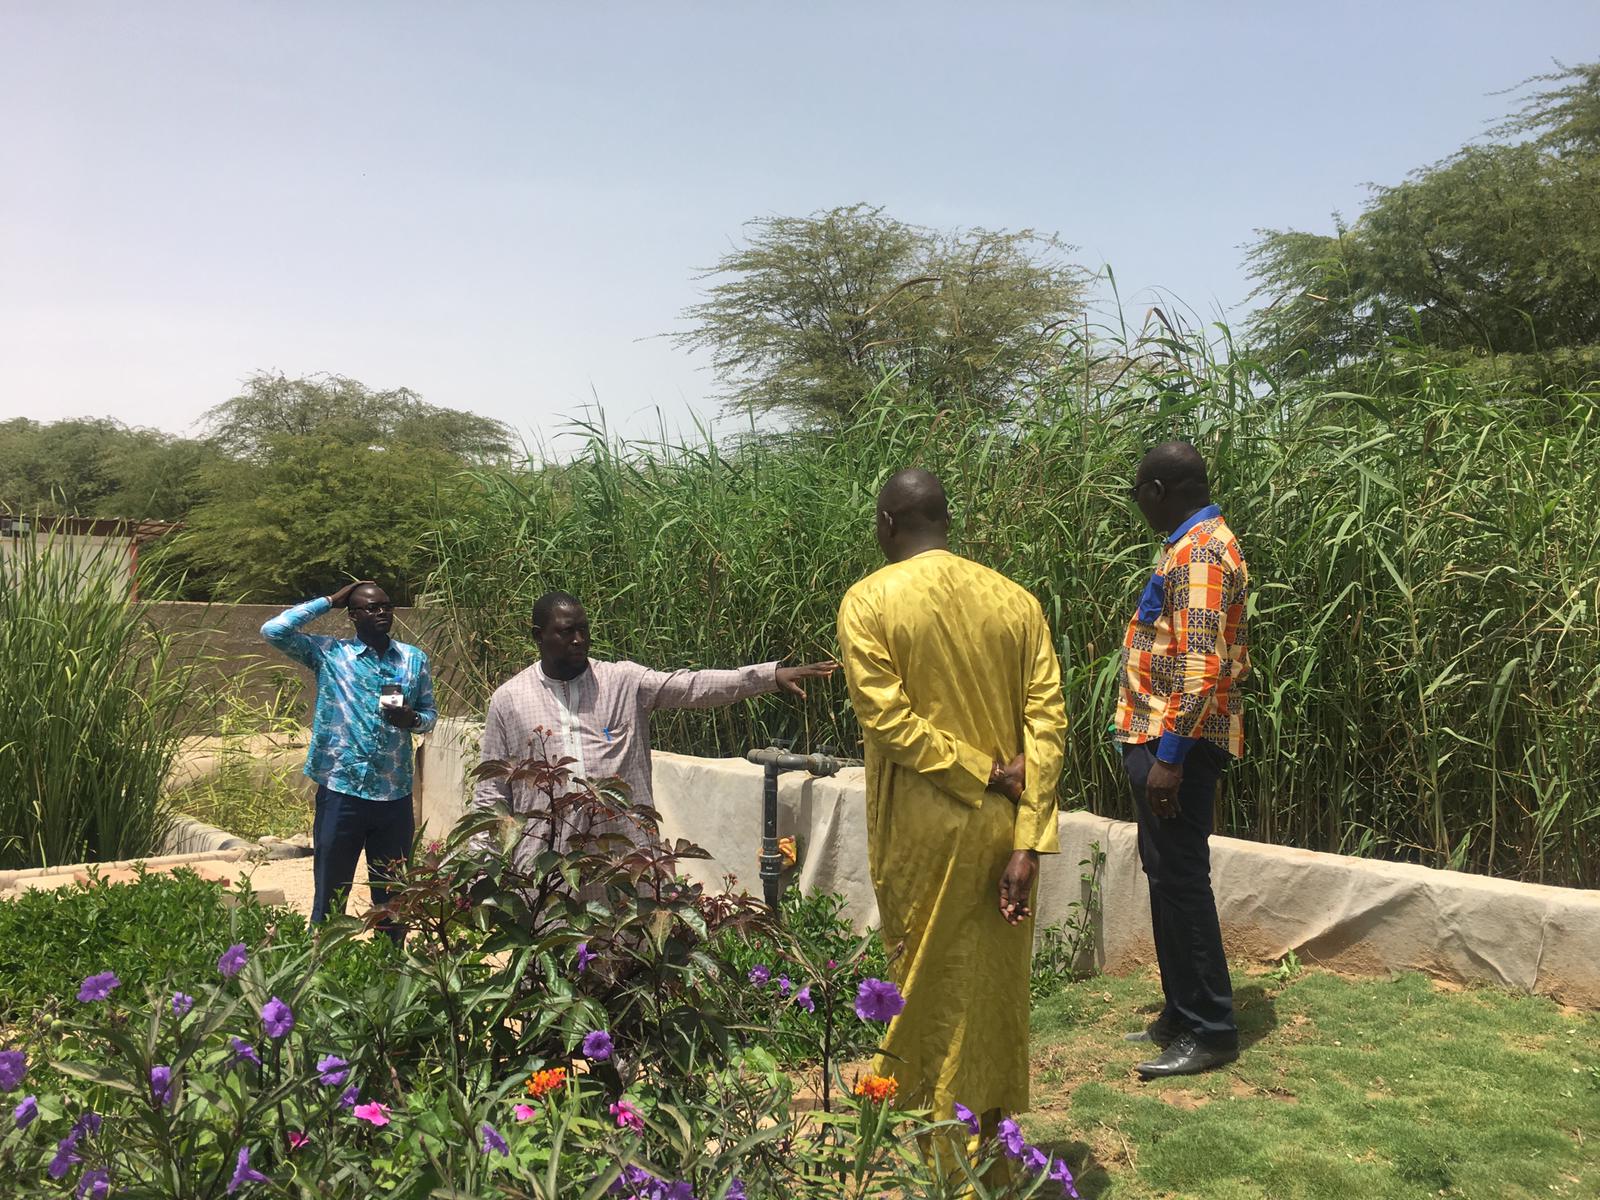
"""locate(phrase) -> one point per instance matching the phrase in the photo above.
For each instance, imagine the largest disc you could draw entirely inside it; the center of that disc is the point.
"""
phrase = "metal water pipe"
(774, 761)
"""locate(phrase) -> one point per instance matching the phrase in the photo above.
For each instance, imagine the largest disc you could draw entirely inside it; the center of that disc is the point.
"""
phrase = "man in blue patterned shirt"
(373, 693)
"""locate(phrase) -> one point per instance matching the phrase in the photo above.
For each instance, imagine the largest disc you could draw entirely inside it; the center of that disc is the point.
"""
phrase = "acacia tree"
(320, 479)
(814, 315)
(1494, 250)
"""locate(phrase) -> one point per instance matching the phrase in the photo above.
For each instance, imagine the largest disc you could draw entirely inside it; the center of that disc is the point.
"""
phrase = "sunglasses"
(372, 608)
(1135, 489)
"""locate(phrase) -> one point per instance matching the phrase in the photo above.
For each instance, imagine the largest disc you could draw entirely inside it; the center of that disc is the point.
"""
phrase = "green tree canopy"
(1495, 250)
(98, 468)
(273, 407)
(319, 480)
(813, 313)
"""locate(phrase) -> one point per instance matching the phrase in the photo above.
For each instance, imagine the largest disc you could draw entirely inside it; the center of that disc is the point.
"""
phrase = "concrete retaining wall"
(1351, 914)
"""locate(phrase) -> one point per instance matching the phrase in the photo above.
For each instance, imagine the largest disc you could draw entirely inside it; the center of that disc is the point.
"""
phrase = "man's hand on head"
(402, 716)
(1161, 788)
(789, 677)
(341, 598)
(1016, 886)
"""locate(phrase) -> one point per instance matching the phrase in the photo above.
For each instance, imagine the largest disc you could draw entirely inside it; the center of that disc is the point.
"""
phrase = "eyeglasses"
(381, 607)
(1135, 489)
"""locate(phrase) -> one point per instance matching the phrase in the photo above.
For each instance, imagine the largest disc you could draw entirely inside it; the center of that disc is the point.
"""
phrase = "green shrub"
(526, 1043)
(162, 926)
(813, 935)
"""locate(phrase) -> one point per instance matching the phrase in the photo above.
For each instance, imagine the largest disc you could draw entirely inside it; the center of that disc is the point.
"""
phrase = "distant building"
(84, 536)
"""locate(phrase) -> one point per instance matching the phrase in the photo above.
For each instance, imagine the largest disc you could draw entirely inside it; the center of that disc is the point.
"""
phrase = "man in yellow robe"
(955, 681)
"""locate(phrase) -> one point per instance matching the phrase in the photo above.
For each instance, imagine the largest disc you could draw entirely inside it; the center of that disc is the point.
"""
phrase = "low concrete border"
(1352, 914)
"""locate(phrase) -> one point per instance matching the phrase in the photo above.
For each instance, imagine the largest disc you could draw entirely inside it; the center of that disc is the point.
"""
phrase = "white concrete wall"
(1353, 914)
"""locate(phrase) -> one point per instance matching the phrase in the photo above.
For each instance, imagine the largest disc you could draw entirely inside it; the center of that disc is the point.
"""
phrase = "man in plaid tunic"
(1179, 724)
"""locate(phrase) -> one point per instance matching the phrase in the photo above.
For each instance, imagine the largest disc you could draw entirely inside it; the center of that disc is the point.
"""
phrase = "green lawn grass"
(1392, 1088)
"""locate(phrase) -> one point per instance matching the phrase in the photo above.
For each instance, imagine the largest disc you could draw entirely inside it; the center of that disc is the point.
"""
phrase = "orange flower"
(877, 1088)
(542, 1083)
(786, 847)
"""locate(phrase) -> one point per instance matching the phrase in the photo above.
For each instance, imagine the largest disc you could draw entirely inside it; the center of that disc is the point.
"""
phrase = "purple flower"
(332, 1070)
(233, 960)
(95, 1184)
(243, 1051)
(832, 964)
(98, 987)
(784, 985)
(66, 1155)
(493, 1141)
(759, 975)
(13, 1069)
(24, 1113)
(1011, 1138)
(878, 1000)
(276, 1018)
(681, 1190)
(802, 999)
(1062, 1174)
(598, 1045)
(161, 1085)
(585, 957)
(1035, 1159)
(181, 1004)
(243, 1173)
(967, 1117)
(348, 1097)
(735, 1190)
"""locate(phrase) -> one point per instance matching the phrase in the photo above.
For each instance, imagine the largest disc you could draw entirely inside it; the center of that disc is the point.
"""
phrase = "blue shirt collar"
(1207, 513)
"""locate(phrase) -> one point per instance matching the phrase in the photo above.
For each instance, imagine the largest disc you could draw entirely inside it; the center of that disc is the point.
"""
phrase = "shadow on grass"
(1253, 1009)
(1089, 1175)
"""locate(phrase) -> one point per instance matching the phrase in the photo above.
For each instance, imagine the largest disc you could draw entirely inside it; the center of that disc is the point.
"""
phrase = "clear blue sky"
(499, 204)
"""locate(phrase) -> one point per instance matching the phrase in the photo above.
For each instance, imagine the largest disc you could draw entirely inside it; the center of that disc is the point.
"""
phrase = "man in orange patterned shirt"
(1179, 724)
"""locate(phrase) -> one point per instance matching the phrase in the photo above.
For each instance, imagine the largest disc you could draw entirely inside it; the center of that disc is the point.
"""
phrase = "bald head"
(915, 496)
(913, 514)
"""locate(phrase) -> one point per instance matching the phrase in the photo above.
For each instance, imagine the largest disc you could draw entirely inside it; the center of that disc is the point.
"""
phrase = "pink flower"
(374, 1113)
(524, 1112)
(627, 1116)
(298, 1140)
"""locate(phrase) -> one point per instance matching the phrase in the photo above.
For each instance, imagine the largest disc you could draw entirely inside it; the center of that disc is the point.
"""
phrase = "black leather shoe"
(1187, 1056)
(1161, 1035)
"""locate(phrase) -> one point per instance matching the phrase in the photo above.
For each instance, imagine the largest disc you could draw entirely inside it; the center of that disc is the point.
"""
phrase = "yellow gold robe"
(951, 667)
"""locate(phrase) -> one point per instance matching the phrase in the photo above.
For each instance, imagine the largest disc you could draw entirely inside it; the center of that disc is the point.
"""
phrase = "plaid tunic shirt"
(1186, 648)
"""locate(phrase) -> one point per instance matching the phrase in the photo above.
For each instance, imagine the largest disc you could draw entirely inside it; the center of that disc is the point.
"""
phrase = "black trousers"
(345, 826)
(1176, 858)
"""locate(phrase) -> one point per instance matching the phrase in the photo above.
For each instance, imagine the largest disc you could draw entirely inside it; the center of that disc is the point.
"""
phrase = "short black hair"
(545, 606)
(1180, 467)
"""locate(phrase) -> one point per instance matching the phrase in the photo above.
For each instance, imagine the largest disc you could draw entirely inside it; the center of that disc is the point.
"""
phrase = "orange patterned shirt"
(1186, 649)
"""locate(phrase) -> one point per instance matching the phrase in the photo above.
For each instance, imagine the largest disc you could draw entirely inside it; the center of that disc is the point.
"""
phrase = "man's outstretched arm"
(891, 724)
(711, 688)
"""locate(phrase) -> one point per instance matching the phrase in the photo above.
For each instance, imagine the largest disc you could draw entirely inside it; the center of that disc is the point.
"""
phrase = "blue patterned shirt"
(353, 749)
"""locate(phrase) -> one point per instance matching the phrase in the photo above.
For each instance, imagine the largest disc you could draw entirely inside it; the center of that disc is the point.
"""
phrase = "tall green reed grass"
(94, 705)
(1424, 554)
